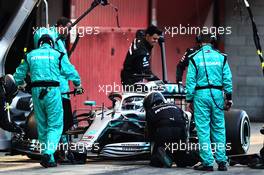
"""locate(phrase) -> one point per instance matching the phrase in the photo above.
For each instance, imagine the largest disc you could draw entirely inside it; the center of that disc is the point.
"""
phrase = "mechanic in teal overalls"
(60, 31)
(45, 66)
(207, 77)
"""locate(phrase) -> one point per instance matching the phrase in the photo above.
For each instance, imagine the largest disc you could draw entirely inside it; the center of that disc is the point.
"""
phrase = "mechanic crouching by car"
(166, 125)
(138, 60)
(45, 66)
(208, 76)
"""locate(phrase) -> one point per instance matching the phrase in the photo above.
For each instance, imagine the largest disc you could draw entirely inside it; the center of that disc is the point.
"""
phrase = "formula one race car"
(119, 132)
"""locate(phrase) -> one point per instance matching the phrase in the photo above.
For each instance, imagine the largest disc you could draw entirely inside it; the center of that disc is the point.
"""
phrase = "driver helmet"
(153, 99)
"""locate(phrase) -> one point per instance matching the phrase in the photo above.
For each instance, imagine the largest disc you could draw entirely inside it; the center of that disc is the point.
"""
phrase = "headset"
(207, 38)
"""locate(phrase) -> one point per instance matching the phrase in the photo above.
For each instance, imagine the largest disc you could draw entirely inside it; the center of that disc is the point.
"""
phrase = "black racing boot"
(202, 167)
(222, 166)
(45, 161)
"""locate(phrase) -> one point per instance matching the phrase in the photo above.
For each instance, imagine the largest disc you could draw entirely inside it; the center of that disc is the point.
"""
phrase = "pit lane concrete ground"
(23, 165)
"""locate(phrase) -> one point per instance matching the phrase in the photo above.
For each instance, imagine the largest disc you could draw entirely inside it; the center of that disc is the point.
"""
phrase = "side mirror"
(89, 103)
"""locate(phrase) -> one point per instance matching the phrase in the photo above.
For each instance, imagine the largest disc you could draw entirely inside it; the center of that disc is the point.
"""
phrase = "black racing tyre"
(31, 126)
(79, 158)
(262, 153)
(237, 131)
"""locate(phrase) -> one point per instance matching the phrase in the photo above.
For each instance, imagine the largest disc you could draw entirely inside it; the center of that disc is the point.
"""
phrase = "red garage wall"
(173, 14)
(99, 58)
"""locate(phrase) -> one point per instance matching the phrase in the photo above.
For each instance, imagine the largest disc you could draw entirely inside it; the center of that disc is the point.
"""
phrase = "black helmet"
(206, 38)
(153, 99)
(46, 39)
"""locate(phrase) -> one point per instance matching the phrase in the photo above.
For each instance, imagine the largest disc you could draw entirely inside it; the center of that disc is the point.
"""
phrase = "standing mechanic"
(45, 66)
(138, 58)
(60, 32)
(208, 75)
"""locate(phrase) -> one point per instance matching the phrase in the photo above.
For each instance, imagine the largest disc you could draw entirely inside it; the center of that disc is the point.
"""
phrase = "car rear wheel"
(237, 131)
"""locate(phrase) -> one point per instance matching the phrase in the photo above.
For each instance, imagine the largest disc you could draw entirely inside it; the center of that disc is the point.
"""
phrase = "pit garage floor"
(23, 165)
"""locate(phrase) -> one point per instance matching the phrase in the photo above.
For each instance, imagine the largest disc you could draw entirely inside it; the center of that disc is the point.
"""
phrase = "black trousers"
(165, 137)
(3, 114)
(67, 116)
(168, 135)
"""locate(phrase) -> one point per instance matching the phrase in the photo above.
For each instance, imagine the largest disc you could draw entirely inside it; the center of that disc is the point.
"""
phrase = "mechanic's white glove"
(190, 107)
(78, 89)
(228, 104)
